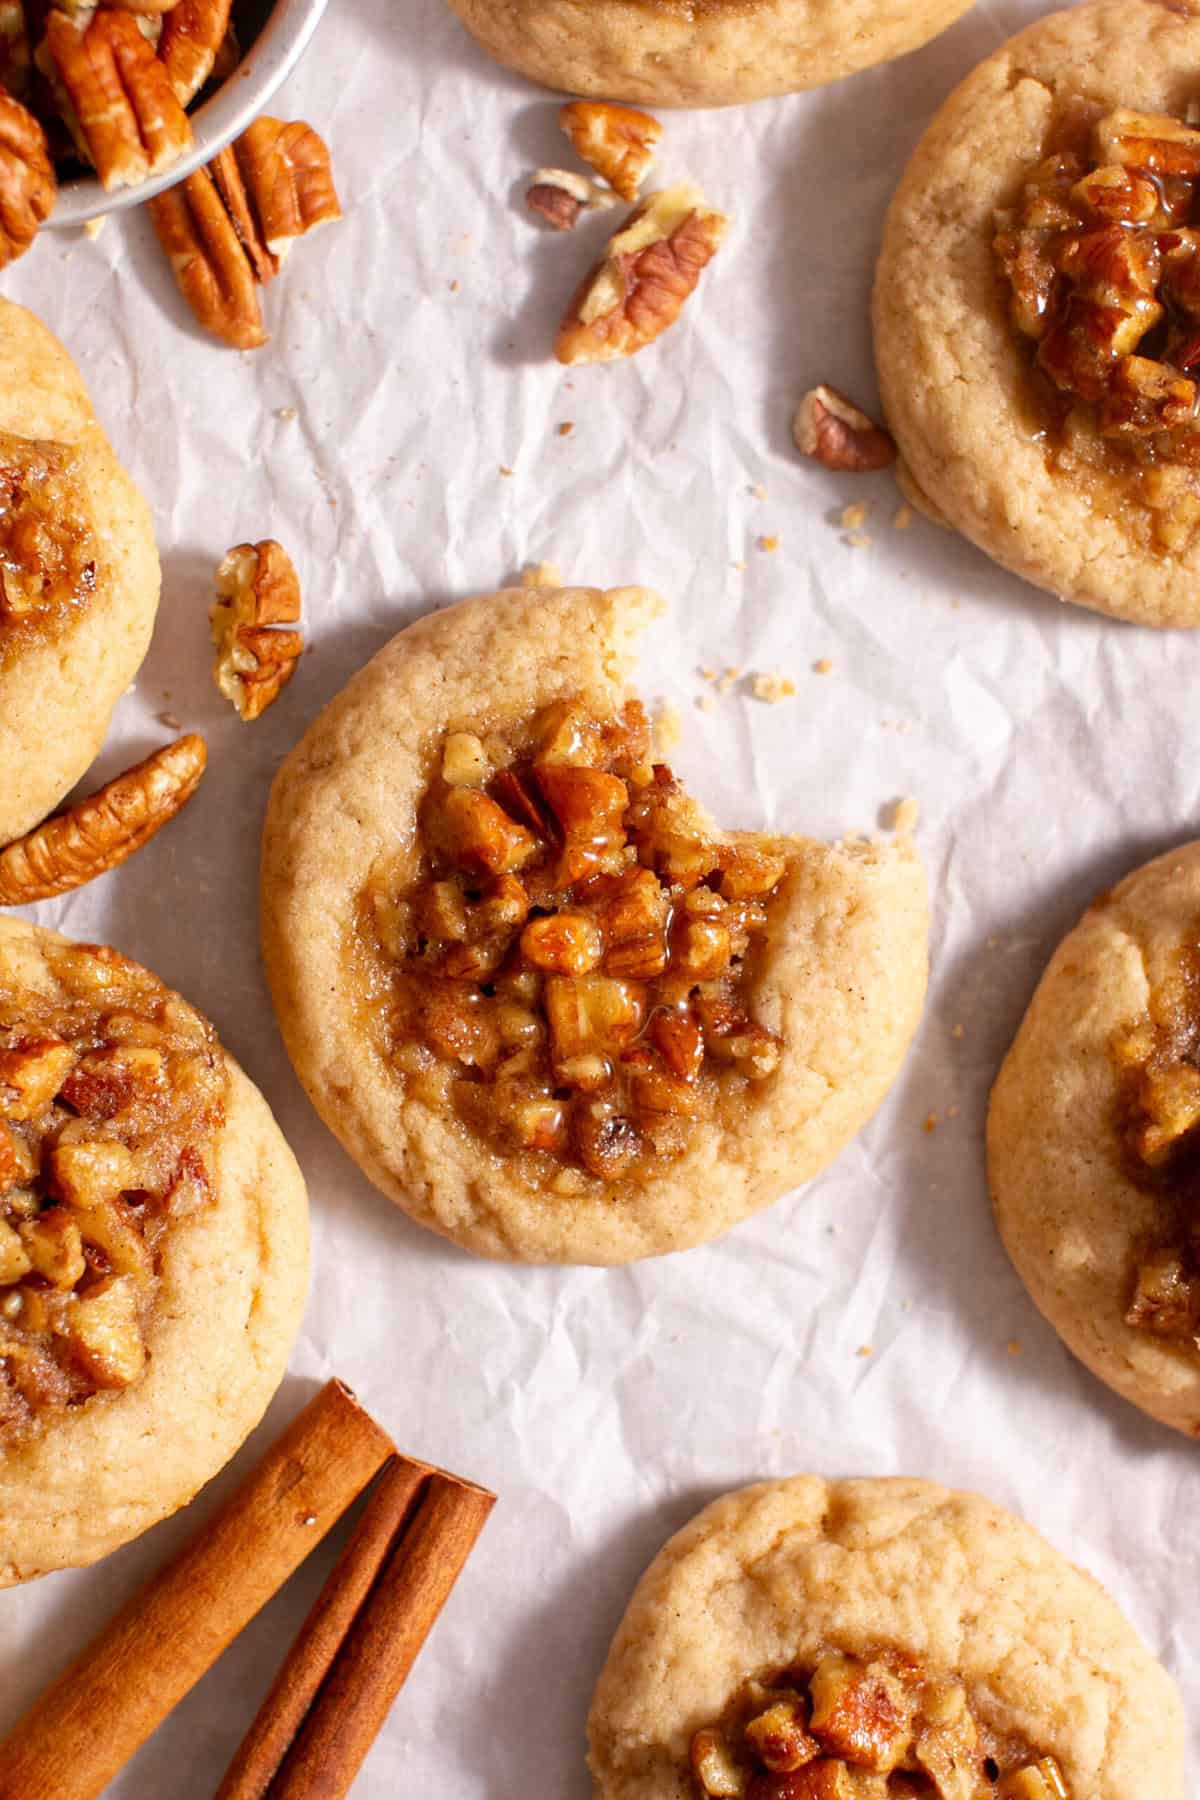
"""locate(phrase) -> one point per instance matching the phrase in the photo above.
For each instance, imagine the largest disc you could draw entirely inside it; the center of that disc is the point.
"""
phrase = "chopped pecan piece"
(1042, 1780)
(28, 187)
(106, 1336)
(1151, 141)
(86, 1174)
(619, 142)
(561, 197)
(478, 835)
(208, 261)
(31, 1074)
(833, 431)
(258, 590)
(652, 267)
(720, 1776)
(1166, 1299)
(103, 831)
(861, 1711)
(117, 97)
(780, 1738)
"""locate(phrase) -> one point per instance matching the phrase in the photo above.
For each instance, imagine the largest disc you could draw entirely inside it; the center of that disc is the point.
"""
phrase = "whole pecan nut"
(652, 267)
(103, 831)
(116, 96)
(28, 188)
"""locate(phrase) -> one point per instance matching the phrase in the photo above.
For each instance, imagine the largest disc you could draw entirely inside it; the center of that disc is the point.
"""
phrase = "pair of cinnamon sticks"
(352, 1656)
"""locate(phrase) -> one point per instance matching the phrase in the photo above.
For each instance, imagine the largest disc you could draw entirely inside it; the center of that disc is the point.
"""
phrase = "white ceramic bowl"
(266, 63)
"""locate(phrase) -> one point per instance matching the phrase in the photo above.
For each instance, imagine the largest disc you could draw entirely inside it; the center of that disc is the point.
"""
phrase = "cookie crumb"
(504, 471)
(824, 667)
(726, 681)
(566, 428)
(773, 688)
(707, 674)
(668, 728)
(769, 544)
(930, 1125)
(865, 1350)
(952, 1112)
(903, 519)
(854, 517)
(455, 287)
(94, 227)
(758, 491)
(170, 721)
(859, 540)
(1014, 1346)
(542, 575)
(706, 703)
(957, 1031)
(902, 816)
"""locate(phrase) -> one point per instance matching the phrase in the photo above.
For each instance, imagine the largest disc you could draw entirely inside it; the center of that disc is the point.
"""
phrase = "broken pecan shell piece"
(257, 589)
(835, 432)
(117, 98)
(288, 176)
(619, 142)
(652, 266)
(192, 35)
(28, 188)
(103, 831)
(208, 261)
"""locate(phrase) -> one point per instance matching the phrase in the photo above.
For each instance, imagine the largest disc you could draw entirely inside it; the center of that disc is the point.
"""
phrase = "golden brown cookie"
(545, 1004)
(153, 1252)
(79, 575)
(868, 1640)
(699, 52)
(1037, 309)
(1094, 1140)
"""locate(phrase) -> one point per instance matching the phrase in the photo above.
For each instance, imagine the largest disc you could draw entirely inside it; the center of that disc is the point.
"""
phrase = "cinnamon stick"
(385, 1640)
(311, 1657)
(86, 1726)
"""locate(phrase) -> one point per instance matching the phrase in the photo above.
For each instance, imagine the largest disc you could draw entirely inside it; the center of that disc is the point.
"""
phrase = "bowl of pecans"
(103, 106)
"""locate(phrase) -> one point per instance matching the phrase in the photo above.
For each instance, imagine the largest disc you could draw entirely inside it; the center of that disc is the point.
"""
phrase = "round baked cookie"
(868, 1640)
(699, 52)
(79, 575)
(153, 1252)
(548, 1008)
(1094, 1140)
(1037, 309)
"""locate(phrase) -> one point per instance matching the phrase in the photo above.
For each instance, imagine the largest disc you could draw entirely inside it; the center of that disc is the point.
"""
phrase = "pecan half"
(287, 174)
(653, 265)
(28, 188)
(116, 96)
(617, 141)
(208, 261)
(103, 831)
(257, 589)
(192, 35)
(831, 429)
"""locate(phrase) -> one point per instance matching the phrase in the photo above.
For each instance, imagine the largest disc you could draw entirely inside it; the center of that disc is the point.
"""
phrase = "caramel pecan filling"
(1102, 255)
(47, 546)
(110, 1094)
(1158, 1064)
(569, 971)
(853, 1729)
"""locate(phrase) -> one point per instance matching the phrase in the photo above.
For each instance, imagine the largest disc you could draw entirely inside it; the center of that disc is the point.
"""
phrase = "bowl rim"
(239, 100)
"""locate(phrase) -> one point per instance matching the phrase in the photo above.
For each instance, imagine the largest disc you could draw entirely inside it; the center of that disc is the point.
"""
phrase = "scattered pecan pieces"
(228, 227)
(617, 141)
(192, 36)
(561, 197)
(208, 261)
(833, 431)
(103, 831)
(257, 591)
(116, 96)
(28, 187)
(652, 267)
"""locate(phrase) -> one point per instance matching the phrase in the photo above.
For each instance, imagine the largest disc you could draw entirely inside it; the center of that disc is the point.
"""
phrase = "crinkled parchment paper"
(400, 435)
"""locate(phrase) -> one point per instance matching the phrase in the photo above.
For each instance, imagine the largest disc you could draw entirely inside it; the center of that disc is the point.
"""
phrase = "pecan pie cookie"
(1037, 309)
(153, 1252)
(877, 1640)
(79, 575)
(699, 52)
(1094, 1140)
(550, 1009)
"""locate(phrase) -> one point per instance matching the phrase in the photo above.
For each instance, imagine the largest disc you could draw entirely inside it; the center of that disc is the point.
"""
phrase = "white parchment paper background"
(1049, 750)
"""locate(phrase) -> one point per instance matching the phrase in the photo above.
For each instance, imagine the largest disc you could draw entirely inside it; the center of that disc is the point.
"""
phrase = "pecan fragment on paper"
(651, 268)
(561, 197)
(619, 142)
(833, 431)
(116, 97)
(257, 591)
(28, 187)
(103, 831)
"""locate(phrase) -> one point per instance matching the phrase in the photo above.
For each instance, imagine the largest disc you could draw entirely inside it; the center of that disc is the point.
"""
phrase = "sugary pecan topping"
(47, 545)
(863, 1729)
(1158, 1125)
(110, 1093)
(1100, 255)
(569, 973)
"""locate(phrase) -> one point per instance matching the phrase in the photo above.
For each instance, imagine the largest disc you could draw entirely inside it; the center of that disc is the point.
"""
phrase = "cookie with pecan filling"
(1037, 309)
(548, 1006)
(153, 1252)
(79, 575)
(699, 52)
(1094, 1140)
(876, 1640)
